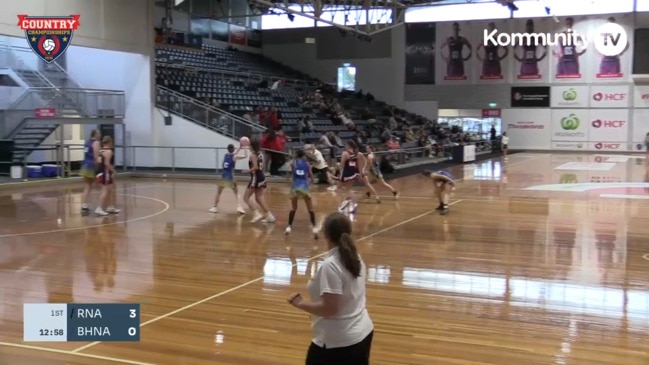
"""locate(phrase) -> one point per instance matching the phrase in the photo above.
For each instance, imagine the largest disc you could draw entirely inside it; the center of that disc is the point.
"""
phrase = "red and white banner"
(45, 113)
(641, 97)
(608, 146)
(491, 113)
(603, 96)
(639, 129)
(529, 128)
(609, 125)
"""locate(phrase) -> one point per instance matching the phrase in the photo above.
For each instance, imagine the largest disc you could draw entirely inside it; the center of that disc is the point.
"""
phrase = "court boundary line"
(166, 208)
(250, 282)
(70, 353)
(646, 256)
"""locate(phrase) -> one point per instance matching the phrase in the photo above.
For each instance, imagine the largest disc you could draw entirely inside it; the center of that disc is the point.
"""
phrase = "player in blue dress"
(227, 178)
(90, 159)
(444, 185)
(302, 177)
(374, 173)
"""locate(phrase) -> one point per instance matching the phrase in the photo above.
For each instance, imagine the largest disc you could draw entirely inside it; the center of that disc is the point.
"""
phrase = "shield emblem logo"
(48, 36)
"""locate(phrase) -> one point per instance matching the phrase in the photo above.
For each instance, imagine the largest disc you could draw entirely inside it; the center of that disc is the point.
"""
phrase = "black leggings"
(358, 354)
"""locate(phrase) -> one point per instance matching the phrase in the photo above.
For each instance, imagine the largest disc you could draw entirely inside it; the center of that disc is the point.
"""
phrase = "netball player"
(444, 184)
(319, 166)
(568, 63)
(491, 62)
(257, 185)
(352, 163)
(374, 171)
(529, 60)
(90, 158)
(105, 173)
(227, 177)
(610, 65)
(302, 176)
(454, 60)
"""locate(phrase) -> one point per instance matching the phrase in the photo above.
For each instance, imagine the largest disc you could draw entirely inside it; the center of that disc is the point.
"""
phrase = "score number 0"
(132, 331)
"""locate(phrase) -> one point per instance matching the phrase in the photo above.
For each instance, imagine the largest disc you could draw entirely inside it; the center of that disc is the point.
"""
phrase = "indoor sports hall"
(509, 224)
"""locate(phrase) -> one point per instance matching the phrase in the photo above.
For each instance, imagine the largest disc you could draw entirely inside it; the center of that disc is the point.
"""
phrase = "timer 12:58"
(46, 332)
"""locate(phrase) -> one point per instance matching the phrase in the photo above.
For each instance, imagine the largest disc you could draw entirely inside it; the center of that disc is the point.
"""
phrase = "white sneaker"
(316, 232)
(112, 210)
(101, 212)
(256, 216)
(270, 218)
(287, 231)
(343, 205)
(240, 210)
(332, 188)
(214, 210)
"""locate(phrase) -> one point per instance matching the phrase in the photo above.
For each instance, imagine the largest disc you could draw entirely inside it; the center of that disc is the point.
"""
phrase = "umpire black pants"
(358, 354)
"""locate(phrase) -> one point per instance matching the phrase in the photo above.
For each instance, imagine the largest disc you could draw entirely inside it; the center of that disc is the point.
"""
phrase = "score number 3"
(132, 331)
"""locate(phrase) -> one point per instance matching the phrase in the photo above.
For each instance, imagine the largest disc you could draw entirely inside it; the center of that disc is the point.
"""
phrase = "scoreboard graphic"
(59, 322)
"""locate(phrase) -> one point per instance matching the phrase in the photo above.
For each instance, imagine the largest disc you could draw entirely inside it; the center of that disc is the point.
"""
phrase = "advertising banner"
(570, 125)
(608, 125)
(604, 96)
(528, 128)
(569, 96)
(639, 129)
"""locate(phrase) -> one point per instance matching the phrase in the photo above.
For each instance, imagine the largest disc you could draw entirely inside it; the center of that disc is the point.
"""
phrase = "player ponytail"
(337, 230)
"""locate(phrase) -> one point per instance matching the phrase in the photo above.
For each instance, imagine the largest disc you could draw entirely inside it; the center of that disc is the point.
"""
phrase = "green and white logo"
(568, 179)
(570, 123)
(570, 95)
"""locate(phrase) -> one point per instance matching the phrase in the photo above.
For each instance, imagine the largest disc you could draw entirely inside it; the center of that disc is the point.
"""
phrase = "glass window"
(457, 12)
(184, 6)
(341, 16)
(532, 9)
(282, 20)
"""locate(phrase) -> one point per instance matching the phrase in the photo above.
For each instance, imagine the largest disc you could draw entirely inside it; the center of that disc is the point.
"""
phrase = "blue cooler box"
(34, 172)
(50, 171)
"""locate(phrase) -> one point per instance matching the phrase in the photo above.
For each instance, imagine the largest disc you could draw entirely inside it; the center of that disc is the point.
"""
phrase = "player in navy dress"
(444, 184)
(454, 60)
(530, 59)
(257, 185)
(491, 67)
(302, 177)
(90, 158)
(227, 177)
(610, 65)
(568, 55)
(374, 173)
(104, 175)
(352, 163)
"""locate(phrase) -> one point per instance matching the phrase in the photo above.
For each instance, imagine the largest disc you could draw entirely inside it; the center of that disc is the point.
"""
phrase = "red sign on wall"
(237, 35)
(45, 113)
(491, 113)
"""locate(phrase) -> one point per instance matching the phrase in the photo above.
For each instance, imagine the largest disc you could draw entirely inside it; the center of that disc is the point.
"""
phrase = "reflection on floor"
(539, 262)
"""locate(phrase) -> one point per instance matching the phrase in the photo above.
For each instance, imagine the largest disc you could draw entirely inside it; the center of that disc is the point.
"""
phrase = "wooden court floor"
(542, 260)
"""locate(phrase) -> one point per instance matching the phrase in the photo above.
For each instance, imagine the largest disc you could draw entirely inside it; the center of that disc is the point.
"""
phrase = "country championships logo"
(570, 95)
(570, 123)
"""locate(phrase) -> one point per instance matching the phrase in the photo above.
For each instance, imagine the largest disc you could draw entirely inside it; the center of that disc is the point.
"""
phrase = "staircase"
(33, 78)
(49, 86)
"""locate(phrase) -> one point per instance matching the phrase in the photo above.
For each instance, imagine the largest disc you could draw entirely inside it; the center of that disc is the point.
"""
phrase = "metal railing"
(23, 58)
(205, 115)
(164, 159)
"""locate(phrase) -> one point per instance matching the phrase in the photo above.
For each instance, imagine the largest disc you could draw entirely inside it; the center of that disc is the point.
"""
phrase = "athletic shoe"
(332, 188)
(343, 205)
(240, 210)
(214, 210)
(256, 216)
(112, 210)
(101, 212)
(287, 231)
(270, 218)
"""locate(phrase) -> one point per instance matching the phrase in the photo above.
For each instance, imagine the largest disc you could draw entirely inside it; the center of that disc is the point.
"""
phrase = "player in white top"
(342, 328)
(320, 169)
(504, 141)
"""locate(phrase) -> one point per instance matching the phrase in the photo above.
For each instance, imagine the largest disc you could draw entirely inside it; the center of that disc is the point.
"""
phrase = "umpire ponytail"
(337, 229)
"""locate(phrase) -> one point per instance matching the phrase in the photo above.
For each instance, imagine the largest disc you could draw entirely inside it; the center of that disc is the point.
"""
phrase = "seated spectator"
(337, 140)
(386, 135)
(367, 115)
(277, 84)
(426, 147)
(326, 141)
(393, 145)
(305, 125)
(392, 123)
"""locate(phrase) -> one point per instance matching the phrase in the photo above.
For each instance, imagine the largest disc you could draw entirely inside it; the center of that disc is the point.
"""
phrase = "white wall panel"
(122, 25)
